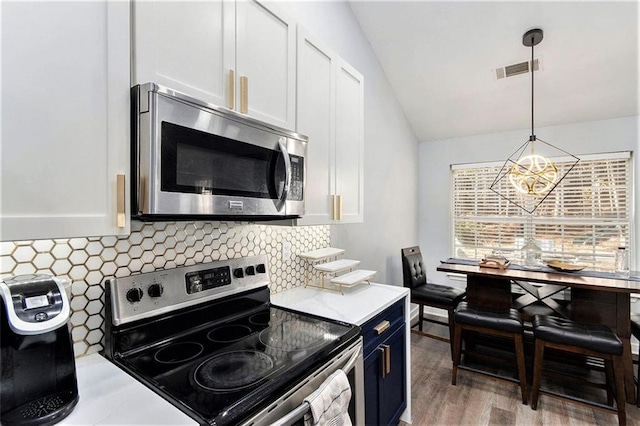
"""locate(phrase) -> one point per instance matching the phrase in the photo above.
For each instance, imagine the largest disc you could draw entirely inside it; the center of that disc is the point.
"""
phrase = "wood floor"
(483, 400)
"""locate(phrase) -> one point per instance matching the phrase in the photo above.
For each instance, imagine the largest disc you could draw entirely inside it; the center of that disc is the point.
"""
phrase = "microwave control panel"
(297, 178)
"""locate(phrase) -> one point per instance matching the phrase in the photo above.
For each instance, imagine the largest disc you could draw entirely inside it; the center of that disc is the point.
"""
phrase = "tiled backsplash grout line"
(87, 262)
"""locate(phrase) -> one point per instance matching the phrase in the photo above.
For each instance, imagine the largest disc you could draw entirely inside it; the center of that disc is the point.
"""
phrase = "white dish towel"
(330, 403)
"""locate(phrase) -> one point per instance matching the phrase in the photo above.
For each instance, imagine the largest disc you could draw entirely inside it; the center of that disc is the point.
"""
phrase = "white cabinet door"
(65, 118)
(187, 46)
(238, 55)
(330, 112)
(350, 143)
(316, 119)
(266, 57)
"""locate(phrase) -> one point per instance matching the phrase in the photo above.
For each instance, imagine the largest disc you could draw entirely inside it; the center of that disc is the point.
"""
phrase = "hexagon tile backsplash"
(87, 262)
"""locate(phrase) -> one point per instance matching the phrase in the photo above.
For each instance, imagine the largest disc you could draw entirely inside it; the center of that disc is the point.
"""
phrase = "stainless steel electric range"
(207, 339)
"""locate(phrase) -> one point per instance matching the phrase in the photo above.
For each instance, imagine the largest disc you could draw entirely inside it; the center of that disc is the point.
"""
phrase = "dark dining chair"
(504, 323)
(424, 293)
(594, 340)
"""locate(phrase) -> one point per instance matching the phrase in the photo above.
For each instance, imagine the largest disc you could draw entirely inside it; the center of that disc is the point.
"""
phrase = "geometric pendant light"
(529, 170)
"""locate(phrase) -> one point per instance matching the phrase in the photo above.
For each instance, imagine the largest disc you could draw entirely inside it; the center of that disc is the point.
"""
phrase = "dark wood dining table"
(603, 299)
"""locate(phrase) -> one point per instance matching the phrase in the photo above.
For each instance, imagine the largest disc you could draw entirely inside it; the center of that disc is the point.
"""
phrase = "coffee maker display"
(39, 385)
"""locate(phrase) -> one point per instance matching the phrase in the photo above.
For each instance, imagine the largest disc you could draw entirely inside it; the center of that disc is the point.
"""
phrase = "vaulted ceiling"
(441, 56)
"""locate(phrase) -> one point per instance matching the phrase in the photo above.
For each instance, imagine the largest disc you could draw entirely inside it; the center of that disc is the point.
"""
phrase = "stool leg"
(638, 388)
(537, 372)
(521, 367)
(620, 394)
(609, 375)
(450, 313)
(421, 316)
(457, 346)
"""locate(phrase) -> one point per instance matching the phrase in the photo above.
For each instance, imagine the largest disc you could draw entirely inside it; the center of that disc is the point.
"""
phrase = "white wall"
(620, 134)
(391, 148)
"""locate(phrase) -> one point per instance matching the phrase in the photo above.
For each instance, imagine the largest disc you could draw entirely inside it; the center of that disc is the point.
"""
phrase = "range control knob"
(238, 273)
(261, 268)
(155, 290)
(135, 295)
(251, 270)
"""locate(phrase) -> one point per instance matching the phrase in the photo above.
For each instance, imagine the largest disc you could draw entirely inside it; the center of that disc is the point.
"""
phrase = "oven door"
(197, 161)
(290, 408)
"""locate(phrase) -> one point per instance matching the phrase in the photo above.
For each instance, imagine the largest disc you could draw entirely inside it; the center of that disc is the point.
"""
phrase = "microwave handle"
(287, 171)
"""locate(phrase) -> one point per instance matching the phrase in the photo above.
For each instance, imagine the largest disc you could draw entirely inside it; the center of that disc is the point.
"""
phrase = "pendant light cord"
(533, 136)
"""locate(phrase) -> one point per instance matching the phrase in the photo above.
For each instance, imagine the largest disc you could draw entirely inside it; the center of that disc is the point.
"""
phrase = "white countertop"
(358, 304)
(109, 396)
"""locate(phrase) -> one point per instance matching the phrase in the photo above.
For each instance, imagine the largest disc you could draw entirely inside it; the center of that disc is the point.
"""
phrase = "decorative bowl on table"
(565, 267)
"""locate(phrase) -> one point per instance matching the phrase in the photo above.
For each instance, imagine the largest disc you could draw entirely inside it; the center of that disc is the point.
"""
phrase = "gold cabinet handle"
(232, 90)
(244, 94)
(334, 205)
(387, 358)
(383, 362)
(121, 217)
(380, 328)
(339, 207)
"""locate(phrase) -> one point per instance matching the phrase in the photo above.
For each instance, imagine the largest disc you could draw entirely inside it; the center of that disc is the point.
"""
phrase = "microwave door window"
(193, 166)
(214, 172)
(203, 163)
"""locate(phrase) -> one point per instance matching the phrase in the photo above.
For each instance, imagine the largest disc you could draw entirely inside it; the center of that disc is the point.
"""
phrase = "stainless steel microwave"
(192, 159)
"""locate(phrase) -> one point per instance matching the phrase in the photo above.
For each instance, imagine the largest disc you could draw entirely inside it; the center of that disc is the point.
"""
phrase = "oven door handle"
(287, 171)
(352, 362)
(298, 412)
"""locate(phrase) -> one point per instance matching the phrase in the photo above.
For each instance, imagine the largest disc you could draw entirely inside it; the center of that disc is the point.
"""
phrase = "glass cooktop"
(223, 370)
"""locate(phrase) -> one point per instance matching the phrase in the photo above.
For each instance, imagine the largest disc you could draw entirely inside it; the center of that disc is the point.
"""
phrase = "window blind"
(584, 219)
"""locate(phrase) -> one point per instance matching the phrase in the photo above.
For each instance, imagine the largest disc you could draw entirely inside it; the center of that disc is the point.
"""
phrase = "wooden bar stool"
(424, 293)
(584, 339)
(498, 322)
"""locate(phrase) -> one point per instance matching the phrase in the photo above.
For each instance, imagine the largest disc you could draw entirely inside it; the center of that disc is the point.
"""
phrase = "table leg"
(540, 294)
(489, 292)
(627, 359)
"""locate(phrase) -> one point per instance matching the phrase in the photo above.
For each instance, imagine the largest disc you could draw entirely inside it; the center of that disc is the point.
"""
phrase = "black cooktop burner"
(260, 319)
(178, 352)
(229, 333)
(233, 371)
(294, 336)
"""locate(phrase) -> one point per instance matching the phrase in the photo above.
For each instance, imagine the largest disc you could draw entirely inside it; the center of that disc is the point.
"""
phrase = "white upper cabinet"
(330, 112)
(266, 60)
(349, 143)
(65, 119)
(187, 46)
(316, 119)
(235, 54)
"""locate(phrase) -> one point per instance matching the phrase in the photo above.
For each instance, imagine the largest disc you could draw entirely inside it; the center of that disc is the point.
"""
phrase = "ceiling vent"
(516, 69)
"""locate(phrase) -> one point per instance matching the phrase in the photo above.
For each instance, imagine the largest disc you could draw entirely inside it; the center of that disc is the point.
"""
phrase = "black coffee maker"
(38, 384)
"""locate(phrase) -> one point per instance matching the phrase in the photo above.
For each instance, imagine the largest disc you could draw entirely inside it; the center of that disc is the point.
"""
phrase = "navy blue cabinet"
(384, 366)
